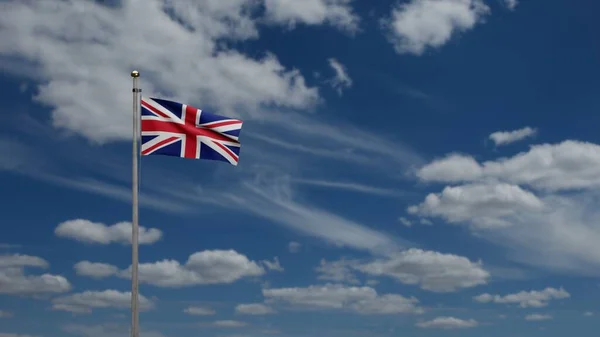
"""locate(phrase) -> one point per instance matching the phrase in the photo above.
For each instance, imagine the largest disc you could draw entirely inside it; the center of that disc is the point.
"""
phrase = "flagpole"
(135, 216)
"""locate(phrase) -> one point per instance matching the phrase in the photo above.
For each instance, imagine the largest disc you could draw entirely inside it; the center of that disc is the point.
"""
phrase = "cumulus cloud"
(205, 267)
(95, 270)
(417, 25)
(487, 205)
(337, 13)
(508, 137)
(430, 270)
(20, 260)
(82, 39)
(86, 301)
(254, 309)
(199, 311)
(569, 165)
(336, 271)
(448, 323)
(361, 300)
(526, 299)
(341, 80)
(453, 168)
(560, 236)
(538, 317)
(14, 280)
(99, 233)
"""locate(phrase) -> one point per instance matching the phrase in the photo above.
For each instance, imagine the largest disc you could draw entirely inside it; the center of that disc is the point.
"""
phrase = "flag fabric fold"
(176, 129)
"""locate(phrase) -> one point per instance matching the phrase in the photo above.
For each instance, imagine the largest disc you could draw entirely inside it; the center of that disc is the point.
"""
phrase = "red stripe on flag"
(159, 144)
(233, 155)
(153, 109)
(219, 124)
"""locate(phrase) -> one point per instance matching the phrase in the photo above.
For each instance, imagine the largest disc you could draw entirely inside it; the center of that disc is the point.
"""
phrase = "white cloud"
(338, 13)
(563, 166)
(511, 4)
(199, 311)
(362, 300)
(452, 168)
(294, 247)
(14, 280)
(448, 323)
(86, 301)
(229, 324)
(433, 271)
(275, 265)
(336, 271)
(420, 24)
(343, 143)
(20, 260)
(569, 165)
(95, 270)
(561, 236)
(278, 207)
(349, 186)
(405, 221)
(526, 299)
(489, 205)
(588, 314)
(538, 317)
(98, 233)
(430, 270)
(254, 309)
(273, 200)
(227, 79)
(205, 267)
(508, 137)
(83, 39)
(341, 80)
(224, 78)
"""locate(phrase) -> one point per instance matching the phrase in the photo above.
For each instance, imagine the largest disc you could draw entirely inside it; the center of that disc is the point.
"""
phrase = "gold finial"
(135, 73)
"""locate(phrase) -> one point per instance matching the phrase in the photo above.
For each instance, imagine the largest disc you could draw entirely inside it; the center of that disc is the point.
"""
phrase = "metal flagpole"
(134, 223)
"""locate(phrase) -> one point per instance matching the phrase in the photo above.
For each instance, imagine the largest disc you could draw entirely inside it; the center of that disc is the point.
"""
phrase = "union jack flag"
(175, 129)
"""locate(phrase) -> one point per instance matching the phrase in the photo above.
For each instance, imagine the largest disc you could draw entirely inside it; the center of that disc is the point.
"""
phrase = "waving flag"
(175, 129)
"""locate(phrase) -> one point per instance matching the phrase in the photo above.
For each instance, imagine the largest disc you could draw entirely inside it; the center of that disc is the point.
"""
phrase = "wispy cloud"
(353, 187)
(507, 137)
(275, 203)
(341, 80)
(270, 196)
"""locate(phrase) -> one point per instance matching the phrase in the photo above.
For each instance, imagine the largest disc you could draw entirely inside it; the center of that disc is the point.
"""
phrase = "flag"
(175, 129)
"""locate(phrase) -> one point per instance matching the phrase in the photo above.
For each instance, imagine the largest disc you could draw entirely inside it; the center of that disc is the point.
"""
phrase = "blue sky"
(414, 168)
